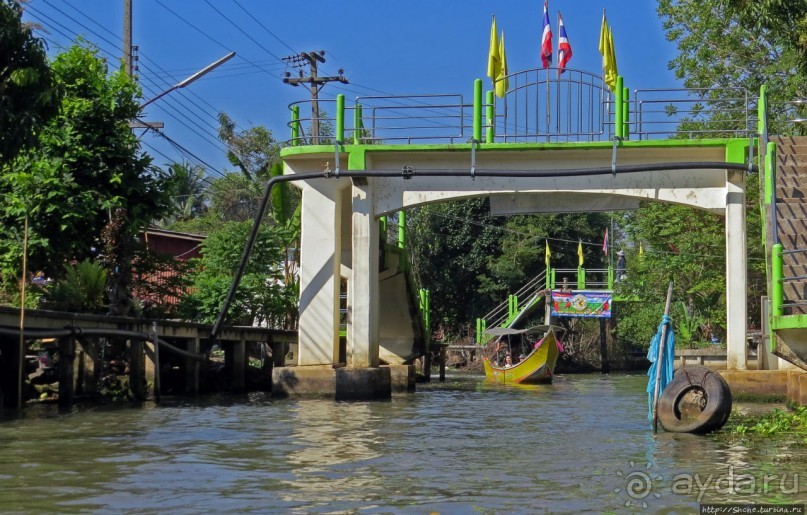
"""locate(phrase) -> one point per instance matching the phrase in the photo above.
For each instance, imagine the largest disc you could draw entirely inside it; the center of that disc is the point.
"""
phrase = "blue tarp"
(666, 362)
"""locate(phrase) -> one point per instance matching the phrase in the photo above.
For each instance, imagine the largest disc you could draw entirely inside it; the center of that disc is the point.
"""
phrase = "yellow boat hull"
(537, 368)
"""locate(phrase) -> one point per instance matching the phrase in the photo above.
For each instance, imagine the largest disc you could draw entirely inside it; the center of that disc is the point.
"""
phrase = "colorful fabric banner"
(581, 303)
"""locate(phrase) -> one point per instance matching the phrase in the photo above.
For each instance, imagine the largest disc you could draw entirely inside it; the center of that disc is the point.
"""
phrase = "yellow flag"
(548, 254)
(641, 250)
(609, 70)
(502, 82)
(494, 65)
(580, 253)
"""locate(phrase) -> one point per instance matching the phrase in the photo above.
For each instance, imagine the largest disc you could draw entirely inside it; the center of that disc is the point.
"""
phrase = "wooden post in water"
(660, 360)
(443, 348)
(604, 367)
(137, 376)
(156, 350)
(67, 348)
(192, 367)
(239, 366)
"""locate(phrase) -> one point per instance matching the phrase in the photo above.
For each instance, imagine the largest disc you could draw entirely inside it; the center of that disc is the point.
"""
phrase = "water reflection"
(582, 444)
(332, 443)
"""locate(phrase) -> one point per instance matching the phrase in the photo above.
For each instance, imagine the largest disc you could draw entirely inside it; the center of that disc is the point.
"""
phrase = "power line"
(242, 31)
(263, 26)
(207, 35)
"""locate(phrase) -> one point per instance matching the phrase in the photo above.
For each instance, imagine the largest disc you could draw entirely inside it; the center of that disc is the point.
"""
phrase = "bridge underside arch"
(340, 230)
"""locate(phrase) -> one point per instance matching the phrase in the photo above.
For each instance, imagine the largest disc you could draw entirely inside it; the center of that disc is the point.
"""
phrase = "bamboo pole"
(660, 359)
(21, 359)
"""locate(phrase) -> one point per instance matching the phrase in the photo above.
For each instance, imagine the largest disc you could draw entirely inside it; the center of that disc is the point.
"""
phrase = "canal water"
(582, 444)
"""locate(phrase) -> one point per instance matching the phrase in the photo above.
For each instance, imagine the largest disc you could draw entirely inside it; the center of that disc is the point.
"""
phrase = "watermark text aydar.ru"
(733, 483)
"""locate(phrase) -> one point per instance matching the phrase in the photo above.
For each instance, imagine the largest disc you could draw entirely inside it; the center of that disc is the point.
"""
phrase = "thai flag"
(546, 38)
(564, 48)
(605, 242)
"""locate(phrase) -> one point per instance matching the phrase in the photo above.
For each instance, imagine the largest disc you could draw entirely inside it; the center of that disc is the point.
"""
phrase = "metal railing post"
(340, 117)
(401, 229)
(619, 113)
(581, 278)
(358, 125)
(490, 135)
(295, 125)
(626, 113)
(478, 110)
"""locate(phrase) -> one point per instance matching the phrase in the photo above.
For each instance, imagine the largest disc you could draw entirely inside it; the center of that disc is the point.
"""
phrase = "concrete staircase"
(791, 218)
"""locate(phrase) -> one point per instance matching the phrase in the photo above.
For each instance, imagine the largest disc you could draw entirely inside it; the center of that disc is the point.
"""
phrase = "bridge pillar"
(363, 291)
(736, 273)
(320, 254)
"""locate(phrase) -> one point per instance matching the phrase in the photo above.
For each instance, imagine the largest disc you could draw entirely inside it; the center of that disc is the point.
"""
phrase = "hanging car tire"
(697, 400)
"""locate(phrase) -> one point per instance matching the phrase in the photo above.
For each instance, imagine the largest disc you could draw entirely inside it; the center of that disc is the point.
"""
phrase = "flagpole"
(557, 83)
(660, 360)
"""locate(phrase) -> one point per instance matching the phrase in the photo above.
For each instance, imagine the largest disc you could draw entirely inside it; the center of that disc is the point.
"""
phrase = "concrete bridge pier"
(339, 234)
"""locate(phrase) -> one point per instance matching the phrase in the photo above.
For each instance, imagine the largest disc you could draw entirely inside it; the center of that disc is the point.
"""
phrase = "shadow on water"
(464, 445)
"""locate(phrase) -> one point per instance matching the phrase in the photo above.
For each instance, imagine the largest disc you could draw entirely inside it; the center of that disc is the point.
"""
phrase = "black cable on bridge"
(407, 172)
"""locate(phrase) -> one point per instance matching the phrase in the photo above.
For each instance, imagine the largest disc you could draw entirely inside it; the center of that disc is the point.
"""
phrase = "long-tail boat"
(536, 367)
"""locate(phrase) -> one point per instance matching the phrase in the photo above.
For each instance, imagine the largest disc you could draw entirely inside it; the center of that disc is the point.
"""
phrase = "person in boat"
(621, 267)
(508, 361)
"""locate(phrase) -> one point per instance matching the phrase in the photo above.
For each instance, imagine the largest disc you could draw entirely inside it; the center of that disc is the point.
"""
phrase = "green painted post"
(762, 110)
(358, 125)
(610, 277)
(401, 229)
(581, 278)
(425, 314)
(479, 331)
(553, 283)
(340, 118)
(770, 172)
(429, 314)
(618, 112)
(548, 277)
(382, 228)
(295, 125)
(490, 135)
(626, 113)
(478, 110)
(777, 285)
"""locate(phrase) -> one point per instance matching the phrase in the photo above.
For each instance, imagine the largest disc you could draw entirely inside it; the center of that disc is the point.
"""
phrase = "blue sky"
(409, 47)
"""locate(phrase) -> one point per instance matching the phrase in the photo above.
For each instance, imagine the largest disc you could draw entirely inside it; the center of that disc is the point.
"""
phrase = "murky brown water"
(582, 444)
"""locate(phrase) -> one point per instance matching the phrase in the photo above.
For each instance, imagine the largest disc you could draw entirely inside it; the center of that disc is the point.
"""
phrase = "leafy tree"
(27, 96)
(252, 150)
(187, 187)
(522, 249)
(738, 43)
(261, 297)
(786, 19)
(86, 172)
(451, 243)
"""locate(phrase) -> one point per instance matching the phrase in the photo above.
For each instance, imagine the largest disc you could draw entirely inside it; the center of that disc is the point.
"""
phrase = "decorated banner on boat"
(581, 303)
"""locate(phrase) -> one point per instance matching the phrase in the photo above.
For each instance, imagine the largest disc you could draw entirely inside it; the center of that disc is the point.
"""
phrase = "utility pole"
(127, 36)
(128, 61)
(313, 82)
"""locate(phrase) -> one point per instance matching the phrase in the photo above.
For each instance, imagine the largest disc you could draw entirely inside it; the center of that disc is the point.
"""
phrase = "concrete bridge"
(586, 147)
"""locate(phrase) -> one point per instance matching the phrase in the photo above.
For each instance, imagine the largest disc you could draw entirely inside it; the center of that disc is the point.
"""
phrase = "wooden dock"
(79, 343)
